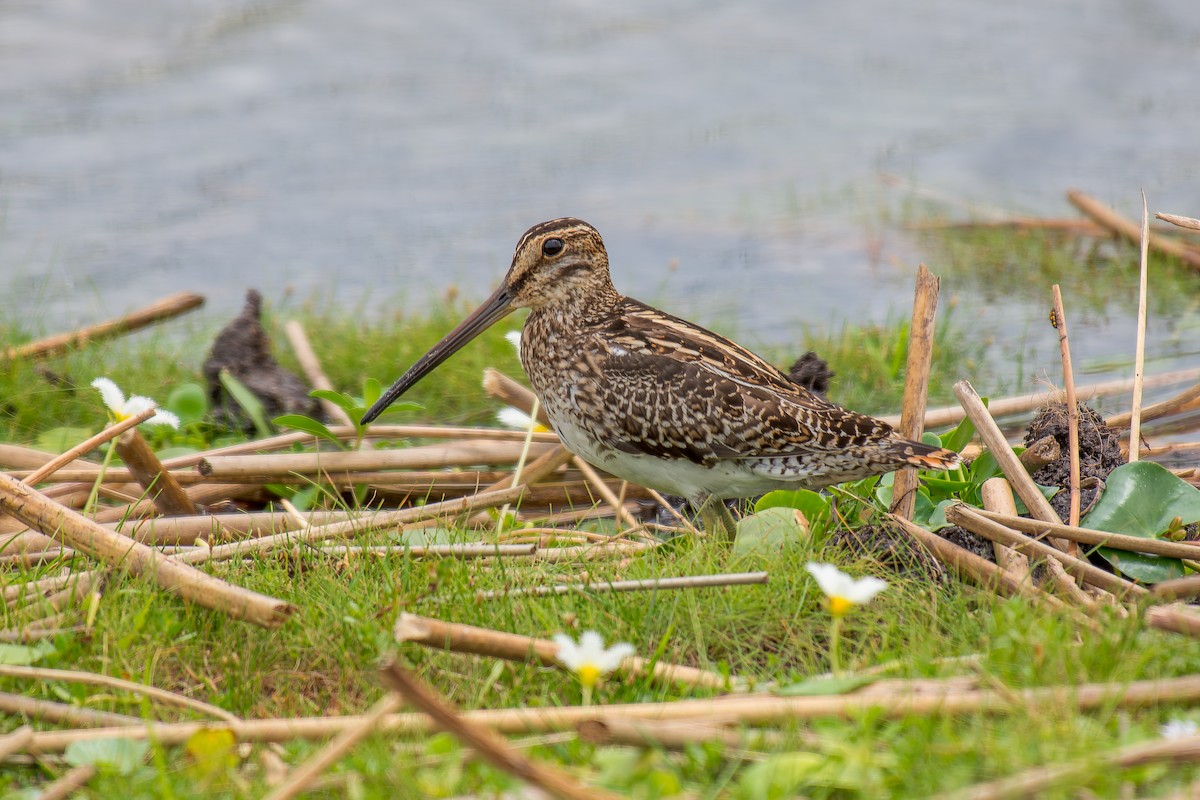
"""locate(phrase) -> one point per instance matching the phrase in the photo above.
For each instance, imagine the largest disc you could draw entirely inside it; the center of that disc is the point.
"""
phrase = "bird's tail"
(925, 456)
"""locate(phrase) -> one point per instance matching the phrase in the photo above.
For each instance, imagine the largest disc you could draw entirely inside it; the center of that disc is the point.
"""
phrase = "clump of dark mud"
(812, 372)
(242, 347)
(891, 548)
(1099, 453)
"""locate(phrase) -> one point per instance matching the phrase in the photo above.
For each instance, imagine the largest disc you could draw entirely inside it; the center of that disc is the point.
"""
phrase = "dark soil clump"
(812, 372)
(242, 347)
(891, 547)
(1099, 453)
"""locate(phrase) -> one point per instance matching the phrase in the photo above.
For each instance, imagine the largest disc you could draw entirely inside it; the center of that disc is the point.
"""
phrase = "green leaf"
(299, 422)
(60, 440)
(248, 400)
(1141, 499)
(814, 506)
(339, 399)
(372, 391)
(779, 775)
(959, 436)
(768, 530)
(826, 684)
(122, 756)
(189, 402)
(20, 655)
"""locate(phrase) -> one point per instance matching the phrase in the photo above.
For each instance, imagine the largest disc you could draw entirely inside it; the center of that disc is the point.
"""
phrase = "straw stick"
(1139, 353)
(70, 782)
(495, 750)
(81, 533)
(1182, 222)
(916, 383)
(1118, 541)
(997, 496)
(1033, 782)
(461, 638)
(978, 570)
(972, 520)
(166, 493)
(1184, 401)
(743, 709)
(1129, 230)
(94, 679)
(352, 527)
(15, 742)
(994, 439)
(652, 585)
(61, 713)
(170, 306)
(457, 454)
(1178, 589)
(312, 370)
(300, 778)
(87, 446)
(1008, 406)
(1064, 345)
(462, 551)
(596, 482)
(1178, 618)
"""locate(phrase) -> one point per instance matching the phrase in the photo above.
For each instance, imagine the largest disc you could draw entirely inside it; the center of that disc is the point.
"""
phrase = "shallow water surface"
(731, 154)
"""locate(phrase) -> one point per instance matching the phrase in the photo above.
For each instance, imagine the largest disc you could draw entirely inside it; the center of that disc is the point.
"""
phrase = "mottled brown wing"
(673, 390)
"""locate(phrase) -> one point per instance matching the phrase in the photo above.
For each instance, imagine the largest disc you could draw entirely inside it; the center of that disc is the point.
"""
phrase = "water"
(730, 153)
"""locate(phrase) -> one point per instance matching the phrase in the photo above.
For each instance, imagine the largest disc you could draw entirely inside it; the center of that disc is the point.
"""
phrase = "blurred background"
(753, 166)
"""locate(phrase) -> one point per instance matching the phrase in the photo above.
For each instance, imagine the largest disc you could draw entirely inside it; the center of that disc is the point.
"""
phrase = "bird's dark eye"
(552, 247)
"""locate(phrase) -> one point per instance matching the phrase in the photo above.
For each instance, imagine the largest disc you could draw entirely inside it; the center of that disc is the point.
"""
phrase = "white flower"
(843, 591)
(120, 408)
(514, 418)
(589, 659)
(1178, 729)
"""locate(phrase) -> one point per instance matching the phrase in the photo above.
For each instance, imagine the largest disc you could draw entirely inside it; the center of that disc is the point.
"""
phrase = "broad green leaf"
(372, 391)
(815, 507)
(300, 422)
(959, 436)
(20, 655)
(1141, 499)
(248, 400)
(60, 440)
(339, 399)
(779, 775)
(122, 756)
(189, 402)
(826, 684)
(771, 529)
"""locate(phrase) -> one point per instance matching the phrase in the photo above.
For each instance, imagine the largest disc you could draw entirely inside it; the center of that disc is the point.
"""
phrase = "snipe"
(658, 401)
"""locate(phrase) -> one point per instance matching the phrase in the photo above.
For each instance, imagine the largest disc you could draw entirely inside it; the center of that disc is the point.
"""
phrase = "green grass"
(322, 661)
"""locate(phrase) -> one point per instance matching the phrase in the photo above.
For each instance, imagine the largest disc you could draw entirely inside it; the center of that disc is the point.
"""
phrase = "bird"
(659, 401)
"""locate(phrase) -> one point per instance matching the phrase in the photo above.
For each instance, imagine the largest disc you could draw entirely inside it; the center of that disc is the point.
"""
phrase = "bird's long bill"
(496, 307)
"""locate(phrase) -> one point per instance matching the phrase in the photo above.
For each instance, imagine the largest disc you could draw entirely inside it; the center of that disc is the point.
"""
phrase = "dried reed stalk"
(458, 454)
(741, 709)
(1186, 400)
(15, 742)
(978, 570)
(170, 306)
(994, 439)
(1139, 353)
(302, 777)
(972, 520)
(464, 551)
(1008, 406)
(1178, 618)
(83, 534)
(87, 446)
(650, 585)
(596, 482)
(1117, 541)
(70, 782)
(997, 496)
(1178, 589)
(1064, 346)
(311, 365)
(1129, 230)
(164, 491)
(461, 638)
(489, 745)
(668, 735)
(1182, 222)
(61, 713)
(509, 392)
(916, 383)
(94, 679)
(1036, 781)
(352, 527)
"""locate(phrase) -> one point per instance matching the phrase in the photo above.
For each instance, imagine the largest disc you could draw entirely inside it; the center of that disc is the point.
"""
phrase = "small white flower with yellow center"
(119, 408)
(590, 660)
(1179, 729)
(844, 592)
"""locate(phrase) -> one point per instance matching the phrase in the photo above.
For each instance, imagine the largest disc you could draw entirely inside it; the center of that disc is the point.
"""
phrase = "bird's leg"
(717, 520)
